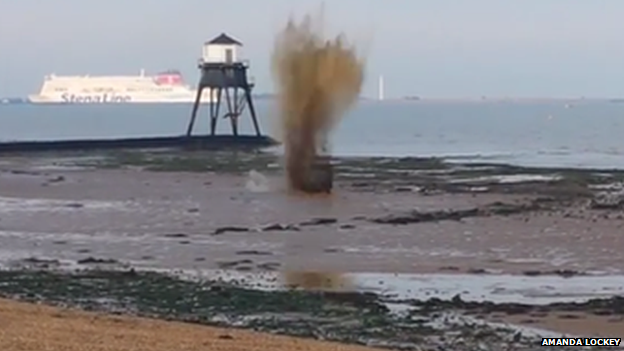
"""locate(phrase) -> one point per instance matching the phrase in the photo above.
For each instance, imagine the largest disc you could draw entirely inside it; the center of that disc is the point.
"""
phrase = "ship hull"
(165, 87)
(56, 100)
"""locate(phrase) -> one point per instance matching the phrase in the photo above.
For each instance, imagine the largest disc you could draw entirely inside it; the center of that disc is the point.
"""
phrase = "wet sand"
(416, 218)
(28, 327)
(168, 220)
(570, 323)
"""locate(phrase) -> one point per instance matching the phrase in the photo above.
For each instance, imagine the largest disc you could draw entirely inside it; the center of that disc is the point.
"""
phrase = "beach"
(311, 179)
(37, 327)
(547, 240)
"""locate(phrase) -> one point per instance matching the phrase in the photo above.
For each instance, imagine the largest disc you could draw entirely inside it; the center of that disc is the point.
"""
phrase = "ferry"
(164, 87)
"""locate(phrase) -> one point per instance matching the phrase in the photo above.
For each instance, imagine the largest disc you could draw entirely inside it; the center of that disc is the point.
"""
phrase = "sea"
(586, 134)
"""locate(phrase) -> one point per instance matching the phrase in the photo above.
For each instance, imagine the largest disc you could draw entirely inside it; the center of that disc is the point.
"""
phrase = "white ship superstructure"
(164, 87)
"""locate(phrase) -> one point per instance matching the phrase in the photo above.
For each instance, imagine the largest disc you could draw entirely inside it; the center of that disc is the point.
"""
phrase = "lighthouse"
(225, 79)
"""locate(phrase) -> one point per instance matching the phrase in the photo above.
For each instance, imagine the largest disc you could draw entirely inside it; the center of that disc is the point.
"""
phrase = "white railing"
(201, 61)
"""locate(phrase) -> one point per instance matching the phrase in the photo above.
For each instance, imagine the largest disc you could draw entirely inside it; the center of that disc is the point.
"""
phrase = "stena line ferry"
(164, 87)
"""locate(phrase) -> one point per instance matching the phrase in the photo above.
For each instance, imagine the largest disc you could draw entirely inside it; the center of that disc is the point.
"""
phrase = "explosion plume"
(318, 80)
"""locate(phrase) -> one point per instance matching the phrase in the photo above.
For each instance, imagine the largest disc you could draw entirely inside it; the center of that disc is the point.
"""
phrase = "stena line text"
(95, 98)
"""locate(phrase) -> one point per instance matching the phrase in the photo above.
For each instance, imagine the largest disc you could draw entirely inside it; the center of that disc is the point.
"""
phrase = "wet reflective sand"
(168, 220)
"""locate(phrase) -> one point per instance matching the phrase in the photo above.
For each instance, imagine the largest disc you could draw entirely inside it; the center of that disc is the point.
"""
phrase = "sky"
(427, 48)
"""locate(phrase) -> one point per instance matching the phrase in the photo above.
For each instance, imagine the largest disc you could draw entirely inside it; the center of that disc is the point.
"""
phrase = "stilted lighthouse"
(224, 79)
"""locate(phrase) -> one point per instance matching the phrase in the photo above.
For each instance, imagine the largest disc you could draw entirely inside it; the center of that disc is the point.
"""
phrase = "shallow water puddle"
(495, 288)
(10, 204)
(507, 179)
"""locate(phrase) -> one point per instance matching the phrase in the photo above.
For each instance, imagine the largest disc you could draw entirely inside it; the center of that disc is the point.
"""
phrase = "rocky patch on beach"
(276, 226)
(608, 201)
(423, 175)
(494, 209)
(410, 217)
(362, 318)
(609, 306)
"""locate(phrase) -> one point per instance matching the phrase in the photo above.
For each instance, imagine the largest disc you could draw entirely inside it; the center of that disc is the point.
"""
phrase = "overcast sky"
(430, 48)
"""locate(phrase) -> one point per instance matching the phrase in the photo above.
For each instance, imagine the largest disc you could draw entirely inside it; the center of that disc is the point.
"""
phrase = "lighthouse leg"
(252, 110)
(231, 112)
(189, 130)
(214, 112)
(240, 106)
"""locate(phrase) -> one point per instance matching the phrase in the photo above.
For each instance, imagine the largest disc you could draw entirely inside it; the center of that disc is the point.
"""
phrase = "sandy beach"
(28, 327)
(387, 216)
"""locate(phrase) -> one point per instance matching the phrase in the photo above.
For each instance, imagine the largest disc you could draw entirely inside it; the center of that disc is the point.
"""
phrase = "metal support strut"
(230, 78)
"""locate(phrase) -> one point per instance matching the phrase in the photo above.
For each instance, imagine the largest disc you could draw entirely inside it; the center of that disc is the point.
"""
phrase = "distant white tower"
(381, 88)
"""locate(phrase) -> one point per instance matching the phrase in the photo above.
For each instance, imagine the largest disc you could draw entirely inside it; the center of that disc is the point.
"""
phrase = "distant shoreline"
(16, 100)
(536, 100)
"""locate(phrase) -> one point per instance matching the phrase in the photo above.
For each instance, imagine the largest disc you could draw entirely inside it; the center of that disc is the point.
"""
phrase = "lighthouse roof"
(224, 39)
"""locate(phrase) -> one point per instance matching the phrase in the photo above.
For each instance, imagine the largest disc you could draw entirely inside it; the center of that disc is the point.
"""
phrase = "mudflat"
(204, 212)
(384, 217)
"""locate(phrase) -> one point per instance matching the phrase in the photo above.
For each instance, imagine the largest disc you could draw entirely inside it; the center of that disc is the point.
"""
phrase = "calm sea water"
(590, 134)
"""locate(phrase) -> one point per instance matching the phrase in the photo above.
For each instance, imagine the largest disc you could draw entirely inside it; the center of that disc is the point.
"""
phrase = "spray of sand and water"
(318, 80)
